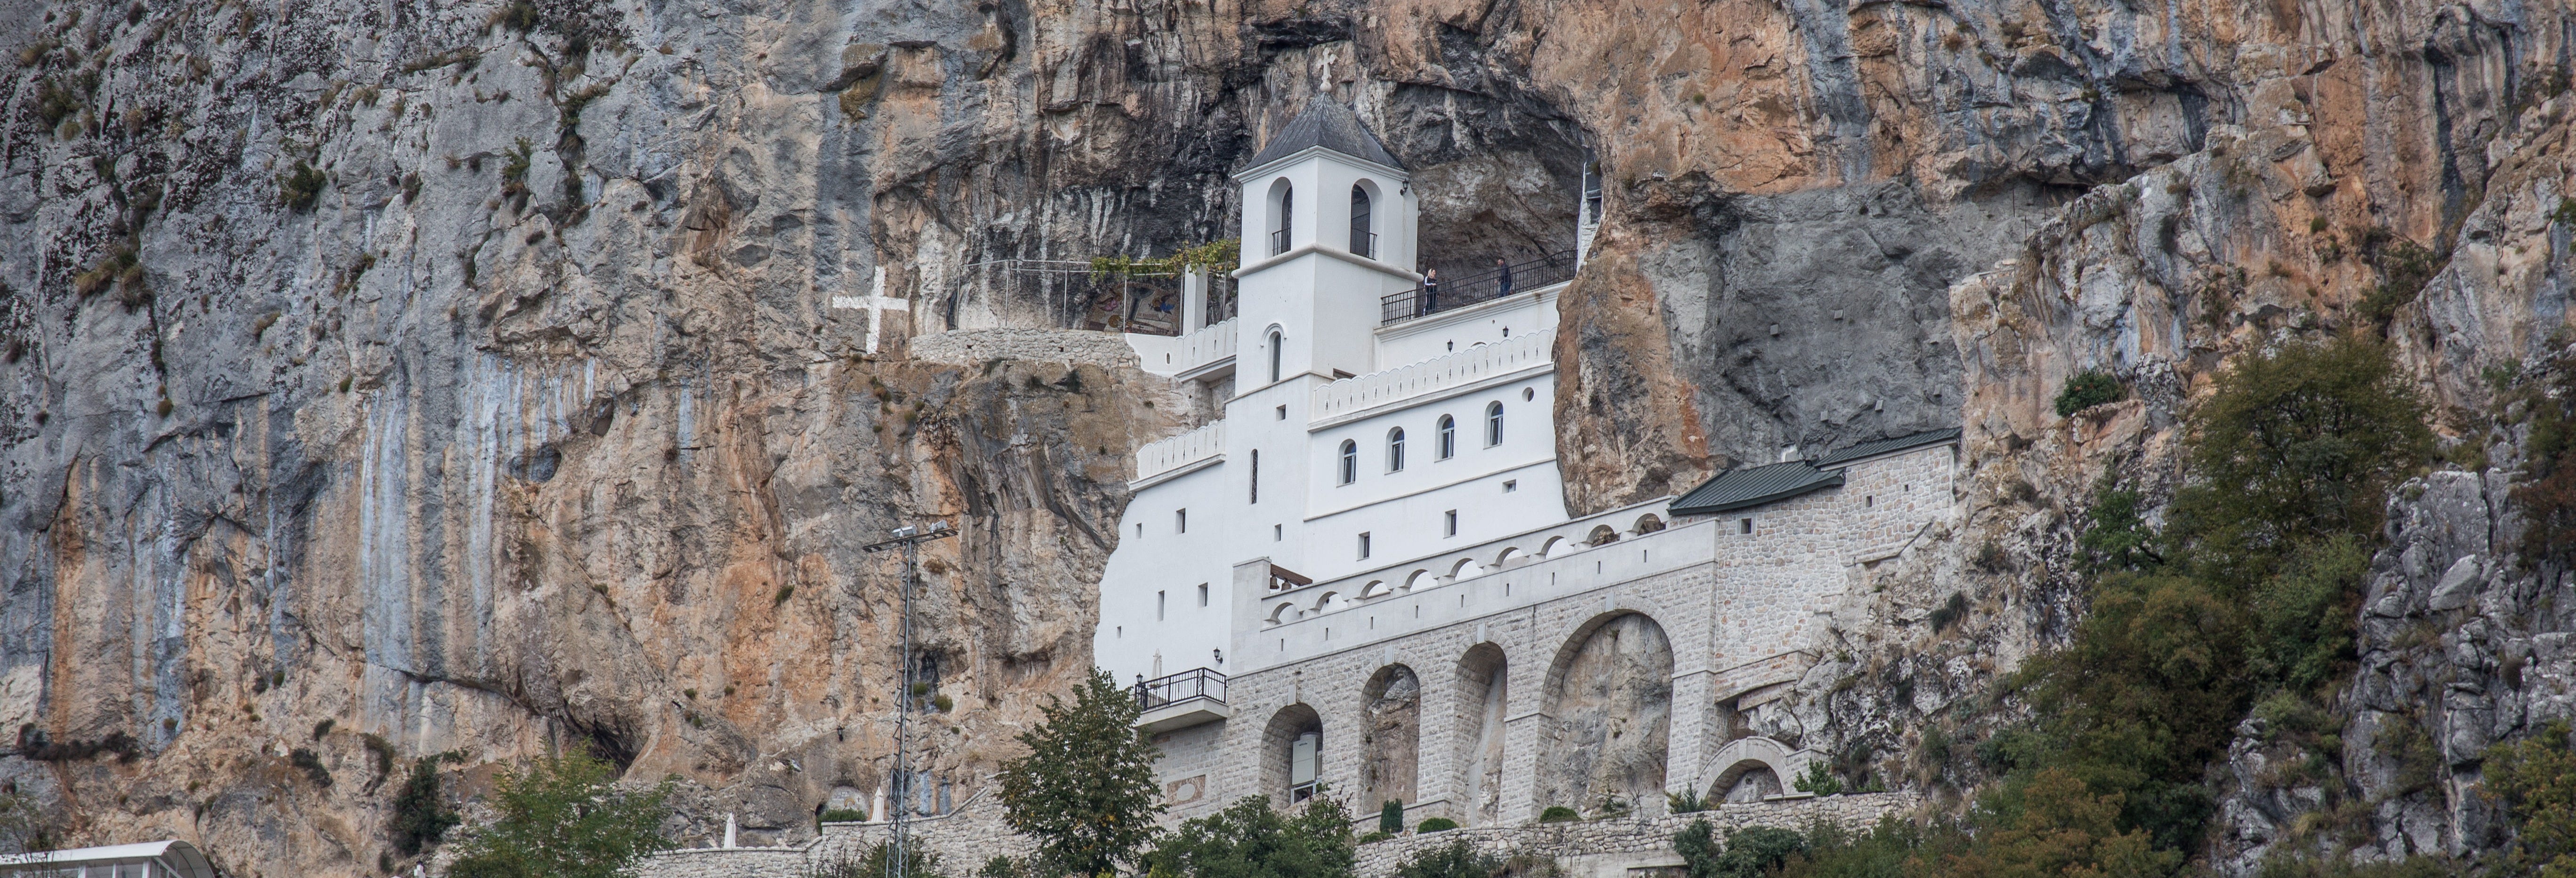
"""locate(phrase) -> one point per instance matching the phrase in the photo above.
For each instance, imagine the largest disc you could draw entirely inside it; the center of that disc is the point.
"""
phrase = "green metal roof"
(1754, 486)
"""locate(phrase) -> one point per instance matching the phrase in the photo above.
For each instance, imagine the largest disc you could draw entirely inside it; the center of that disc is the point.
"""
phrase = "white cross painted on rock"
(877, 304)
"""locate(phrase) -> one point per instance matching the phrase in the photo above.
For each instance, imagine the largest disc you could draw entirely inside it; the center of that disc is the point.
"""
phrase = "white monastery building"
(1364, 576)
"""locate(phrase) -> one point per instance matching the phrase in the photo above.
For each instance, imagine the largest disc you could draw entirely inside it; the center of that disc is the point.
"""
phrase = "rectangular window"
(1203, 594)
(1510, 485)
(1140, 530)
(1744, 526)
(1449, 523)
(1283, 413)
(1278, 533)
(1158, 606)
(1256, 475)
(1364, 545)
(1180, 521)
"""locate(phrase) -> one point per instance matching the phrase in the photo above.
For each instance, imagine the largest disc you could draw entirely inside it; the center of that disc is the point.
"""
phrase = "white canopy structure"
(152, 859)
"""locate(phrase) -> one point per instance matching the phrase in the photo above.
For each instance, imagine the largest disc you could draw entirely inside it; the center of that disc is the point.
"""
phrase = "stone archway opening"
(1390, 737)
(1292, 753)
(1746, 782)
(1483, 678)
(1608, 715)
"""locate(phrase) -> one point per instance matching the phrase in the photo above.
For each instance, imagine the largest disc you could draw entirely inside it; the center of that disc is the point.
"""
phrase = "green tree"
(563, 817)
(1455, 860)
(2050, 827)
(2535, 780)
(1085, 790)
(1751, 852)
(879, 862)
(421, 818)
(1249, 839)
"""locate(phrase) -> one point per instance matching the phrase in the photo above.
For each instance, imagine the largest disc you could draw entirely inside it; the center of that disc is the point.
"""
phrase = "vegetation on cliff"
(563, 817)
(1085, 789)
(2247, 595)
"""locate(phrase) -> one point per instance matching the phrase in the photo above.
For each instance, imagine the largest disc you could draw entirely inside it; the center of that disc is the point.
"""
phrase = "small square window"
(1364, 546)
(1510, 485)
(1449, 523)
(1744, 526)
(1283, 413)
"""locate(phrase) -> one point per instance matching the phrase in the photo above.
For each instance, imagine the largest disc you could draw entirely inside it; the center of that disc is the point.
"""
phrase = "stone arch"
(1390, 735)
(1328, 601)
(1419, 579)
(1376, 588)
(1554, 547)
(1507, 556)
(1648, 523)
(1602, 536)
(1283, 613)
(1608, 713)
(1279, 776)
(1466, 567)
(1751, 767)
(1484, 677)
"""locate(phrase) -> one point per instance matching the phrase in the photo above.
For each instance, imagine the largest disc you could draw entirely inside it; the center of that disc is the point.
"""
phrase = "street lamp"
(908, 538)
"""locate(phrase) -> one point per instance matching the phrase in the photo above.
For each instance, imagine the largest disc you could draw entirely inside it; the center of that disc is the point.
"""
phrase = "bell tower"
(1328, 232)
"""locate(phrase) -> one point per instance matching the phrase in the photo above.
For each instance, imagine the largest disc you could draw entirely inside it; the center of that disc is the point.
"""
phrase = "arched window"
(1493, 424)
(1395, 450)
(1350, 461)
(1283, 207)
(1448, 438)
(1363, 242)
(1275, 348)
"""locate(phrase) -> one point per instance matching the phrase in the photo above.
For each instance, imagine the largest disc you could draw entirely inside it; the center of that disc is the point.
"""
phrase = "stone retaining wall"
(1598, 849)
(969, 347)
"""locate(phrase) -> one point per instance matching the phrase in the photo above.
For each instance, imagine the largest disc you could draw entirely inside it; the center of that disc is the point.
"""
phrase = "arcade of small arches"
(1606, 714)
(1330, 598)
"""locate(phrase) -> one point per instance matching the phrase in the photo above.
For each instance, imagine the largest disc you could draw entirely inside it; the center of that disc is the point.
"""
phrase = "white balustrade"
(1430, 376)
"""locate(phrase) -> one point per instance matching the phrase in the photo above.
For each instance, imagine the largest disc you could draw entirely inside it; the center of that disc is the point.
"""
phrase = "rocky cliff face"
(467, 375)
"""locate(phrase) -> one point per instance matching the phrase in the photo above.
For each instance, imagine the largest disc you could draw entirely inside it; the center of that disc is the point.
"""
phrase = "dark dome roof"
(1328, 124)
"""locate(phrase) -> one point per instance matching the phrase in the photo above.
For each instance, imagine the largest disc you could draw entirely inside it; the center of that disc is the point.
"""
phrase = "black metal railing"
(1465, 290)
(1183, 686)
(1278, 242)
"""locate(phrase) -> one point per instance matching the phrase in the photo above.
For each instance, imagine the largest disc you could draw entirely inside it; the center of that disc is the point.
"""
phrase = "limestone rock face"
(469, 375)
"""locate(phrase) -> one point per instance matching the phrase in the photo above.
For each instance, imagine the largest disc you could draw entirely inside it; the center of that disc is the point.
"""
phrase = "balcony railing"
(1278, 242)
(1165, 455)
(1183, 686)
(1474, 364)
(1459, 292)
(1364, 244)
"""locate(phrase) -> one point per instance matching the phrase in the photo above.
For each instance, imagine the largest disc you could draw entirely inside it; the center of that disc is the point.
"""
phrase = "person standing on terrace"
(1502, 284)
(1430, 292)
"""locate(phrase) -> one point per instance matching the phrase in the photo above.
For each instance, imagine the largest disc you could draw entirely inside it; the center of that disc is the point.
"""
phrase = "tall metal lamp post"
(908, 538)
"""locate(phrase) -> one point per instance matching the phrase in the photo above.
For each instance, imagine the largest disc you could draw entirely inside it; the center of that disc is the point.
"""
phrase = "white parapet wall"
(1175, 453)
(1491, 360)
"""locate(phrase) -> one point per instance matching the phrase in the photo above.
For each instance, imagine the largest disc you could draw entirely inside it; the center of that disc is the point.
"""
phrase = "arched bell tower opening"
(1363, 221)
(1282, 216)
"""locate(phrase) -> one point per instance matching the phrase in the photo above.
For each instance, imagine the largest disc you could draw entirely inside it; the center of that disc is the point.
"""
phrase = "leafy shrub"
(2087, 389)
(300, 188)
(1888, 850)
(563, 817)
(1456, 860)
(1751, 852)
(311, 762)
(2051, 825)
(1249, 839)
(1558, 814)
(2404, 267)
(1818, 780)
(1376, 836)
(1948, 613)
(1390, 816)
(843, 815)
(1436, 824)
(2535, 781)
(1685, 802)
(421, 818)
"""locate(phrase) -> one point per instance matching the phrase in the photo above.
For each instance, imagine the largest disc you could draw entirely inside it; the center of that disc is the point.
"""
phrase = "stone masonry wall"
(975, 347)
(965, 839)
